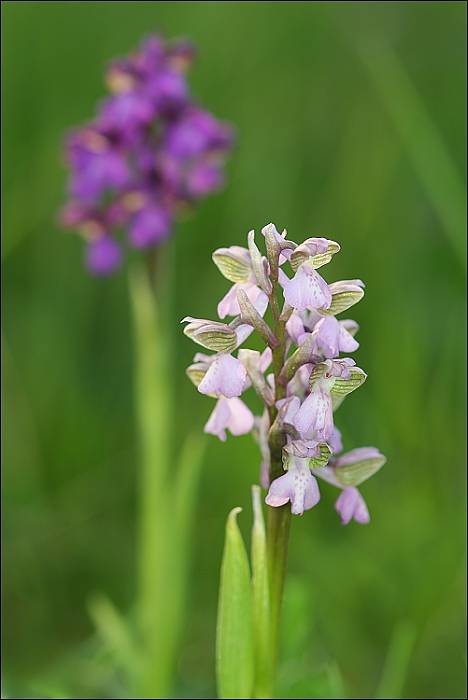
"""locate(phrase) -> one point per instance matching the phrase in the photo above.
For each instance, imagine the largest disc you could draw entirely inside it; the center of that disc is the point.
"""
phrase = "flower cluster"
(149, 152)
(308, 381)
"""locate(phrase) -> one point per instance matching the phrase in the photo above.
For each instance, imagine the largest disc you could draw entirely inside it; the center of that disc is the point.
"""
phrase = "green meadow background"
(350, 121)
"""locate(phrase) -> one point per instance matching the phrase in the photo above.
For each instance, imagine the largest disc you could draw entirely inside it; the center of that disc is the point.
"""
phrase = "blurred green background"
(351, 124)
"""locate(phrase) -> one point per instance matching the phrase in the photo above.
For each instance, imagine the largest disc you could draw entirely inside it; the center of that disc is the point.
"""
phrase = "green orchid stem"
(278, 524)
(278, 519)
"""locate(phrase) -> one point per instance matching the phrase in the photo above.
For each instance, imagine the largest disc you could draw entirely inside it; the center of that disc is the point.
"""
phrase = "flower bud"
(259, 265)
(278, 248)
(302, 356)
(250, 316)
(251, 359)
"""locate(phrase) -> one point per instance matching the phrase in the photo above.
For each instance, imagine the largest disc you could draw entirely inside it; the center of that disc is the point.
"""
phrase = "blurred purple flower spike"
(149, 152)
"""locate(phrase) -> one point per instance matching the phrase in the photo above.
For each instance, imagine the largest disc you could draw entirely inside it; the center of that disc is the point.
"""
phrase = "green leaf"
(234, 634)
(261, 601)
(258, 264)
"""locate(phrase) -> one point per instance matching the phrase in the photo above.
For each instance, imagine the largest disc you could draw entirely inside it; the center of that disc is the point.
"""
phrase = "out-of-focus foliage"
(351, 122)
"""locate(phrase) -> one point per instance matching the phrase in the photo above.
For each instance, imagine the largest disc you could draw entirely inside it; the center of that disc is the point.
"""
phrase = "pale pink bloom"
(331, 338)
(290, 407)
(295, 327)
(350, 505)
(229, 414)
(307, 290)
(314, 419)
(298, 486)
(226, 376)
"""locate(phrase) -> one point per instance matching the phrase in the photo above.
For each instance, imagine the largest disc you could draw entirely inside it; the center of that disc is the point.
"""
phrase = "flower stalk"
(278, 519)
(152, 397)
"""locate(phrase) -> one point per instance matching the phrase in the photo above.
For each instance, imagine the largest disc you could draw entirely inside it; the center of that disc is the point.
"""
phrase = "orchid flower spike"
(149, 152)
(308, 378)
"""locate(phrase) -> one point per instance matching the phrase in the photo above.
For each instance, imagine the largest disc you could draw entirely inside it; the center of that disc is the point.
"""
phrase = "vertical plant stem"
(278, 519)
(261, 602)
(152, 397)
(167, 487)
(277, 538)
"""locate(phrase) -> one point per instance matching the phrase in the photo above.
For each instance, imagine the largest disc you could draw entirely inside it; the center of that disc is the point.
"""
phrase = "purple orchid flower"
(230, 414)
(149, 152)
(307, 290)
(298, 486)
(350, 505)
(331, 337)
(226, 376)
(314, 419)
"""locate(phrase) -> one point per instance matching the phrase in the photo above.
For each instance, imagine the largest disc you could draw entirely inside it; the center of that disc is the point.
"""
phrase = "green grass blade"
(115, 633)
(397, 662)
(423, 142)
(336, 684)
(176, 564)
(234, 635)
